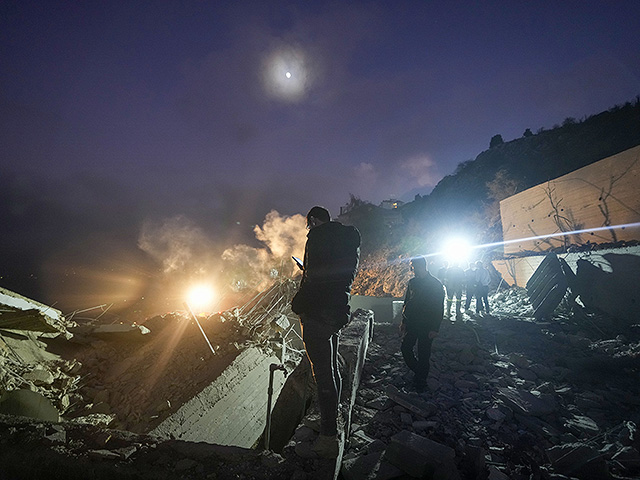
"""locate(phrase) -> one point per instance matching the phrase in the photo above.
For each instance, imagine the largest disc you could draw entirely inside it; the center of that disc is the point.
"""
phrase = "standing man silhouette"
(421, 318)
(331, 259)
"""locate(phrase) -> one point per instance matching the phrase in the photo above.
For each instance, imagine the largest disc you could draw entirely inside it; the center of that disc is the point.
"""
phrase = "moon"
(286, 74)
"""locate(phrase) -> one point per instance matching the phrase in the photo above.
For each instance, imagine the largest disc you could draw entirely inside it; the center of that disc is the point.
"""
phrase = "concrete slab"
(232, 409)
(385, 309)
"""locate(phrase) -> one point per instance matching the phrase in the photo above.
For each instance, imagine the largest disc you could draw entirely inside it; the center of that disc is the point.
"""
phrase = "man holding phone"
(331, 257)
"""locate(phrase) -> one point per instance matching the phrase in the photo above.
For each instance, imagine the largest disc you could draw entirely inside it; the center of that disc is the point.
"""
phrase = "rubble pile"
(508, 398)
(131, 377)
(139, 380)
(53, 379)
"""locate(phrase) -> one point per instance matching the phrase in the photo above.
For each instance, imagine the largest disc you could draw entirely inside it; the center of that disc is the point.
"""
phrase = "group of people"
(473, 282)
(331, 258)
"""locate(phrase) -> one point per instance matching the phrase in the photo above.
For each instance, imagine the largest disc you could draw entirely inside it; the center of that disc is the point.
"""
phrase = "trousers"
(321, 344)
(421, 364)
(482, 297)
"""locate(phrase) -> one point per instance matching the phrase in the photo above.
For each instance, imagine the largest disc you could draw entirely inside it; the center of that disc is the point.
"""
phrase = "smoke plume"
(255, 268)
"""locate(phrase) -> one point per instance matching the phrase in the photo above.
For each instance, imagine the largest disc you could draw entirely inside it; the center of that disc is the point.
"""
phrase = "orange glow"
(200, 297)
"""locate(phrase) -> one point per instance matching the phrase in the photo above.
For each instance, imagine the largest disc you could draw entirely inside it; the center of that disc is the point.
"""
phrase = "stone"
(39, 376)
(56, 434)
(474, 461)
(578, 460)
(495, 414)
(526, 403)
(527, 374)
(104, 454)
(466, 357)
(26, 403)
(421, 457)
(369, 467)
(423, 424)
(414, 405)
(185, 464)
(580, 424)
(495, 474)
(519, 360)
(542, 371)
(466, 385)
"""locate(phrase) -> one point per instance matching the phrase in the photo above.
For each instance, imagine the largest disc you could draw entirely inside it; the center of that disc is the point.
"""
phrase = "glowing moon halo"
(286, 74)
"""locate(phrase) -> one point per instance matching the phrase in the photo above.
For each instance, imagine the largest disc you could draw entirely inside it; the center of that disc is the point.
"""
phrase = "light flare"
(200, 297)
(456, 251)
(549, 235)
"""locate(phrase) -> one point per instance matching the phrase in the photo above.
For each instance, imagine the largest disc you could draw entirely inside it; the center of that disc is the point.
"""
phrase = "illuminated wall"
(602, 194)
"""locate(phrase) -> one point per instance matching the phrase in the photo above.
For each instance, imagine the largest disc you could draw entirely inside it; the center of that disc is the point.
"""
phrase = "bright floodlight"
(456, 250)
(200, 297)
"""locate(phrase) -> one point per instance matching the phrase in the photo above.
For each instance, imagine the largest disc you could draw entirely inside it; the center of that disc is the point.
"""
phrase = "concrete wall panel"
(602, 194)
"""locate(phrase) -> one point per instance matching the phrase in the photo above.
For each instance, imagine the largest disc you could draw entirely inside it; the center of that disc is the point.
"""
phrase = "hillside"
(467, 202)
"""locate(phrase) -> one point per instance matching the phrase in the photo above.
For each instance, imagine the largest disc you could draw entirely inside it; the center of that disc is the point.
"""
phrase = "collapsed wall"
(603, 280)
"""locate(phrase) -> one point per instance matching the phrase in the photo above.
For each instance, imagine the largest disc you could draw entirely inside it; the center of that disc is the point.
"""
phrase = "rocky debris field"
(508, 398)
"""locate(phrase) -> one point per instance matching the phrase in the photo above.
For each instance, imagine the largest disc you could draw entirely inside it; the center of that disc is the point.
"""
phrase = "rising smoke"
(177, 243)
(255, 268)
(185, 251)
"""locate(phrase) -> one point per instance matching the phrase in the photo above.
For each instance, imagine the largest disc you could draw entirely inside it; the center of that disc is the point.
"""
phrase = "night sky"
(117, 115)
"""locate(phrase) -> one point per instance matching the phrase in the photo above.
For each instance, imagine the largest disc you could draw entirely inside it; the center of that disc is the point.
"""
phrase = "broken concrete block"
(280, 323)
(526, 403)
(232, 409)
(30, 404)
(420, 457)
(39, 376)
(629, 458)
(414, 405)
(369, 467)
(578, 460)
(580, 424)
(495, 474)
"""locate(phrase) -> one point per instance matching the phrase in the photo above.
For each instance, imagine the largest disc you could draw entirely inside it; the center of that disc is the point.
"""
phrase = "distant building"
(391, 204)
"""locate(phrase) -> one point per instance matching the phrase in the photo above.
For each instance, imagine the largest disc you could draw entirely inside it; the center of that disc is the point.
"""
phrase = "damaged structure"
(543, 388)
(579, 233)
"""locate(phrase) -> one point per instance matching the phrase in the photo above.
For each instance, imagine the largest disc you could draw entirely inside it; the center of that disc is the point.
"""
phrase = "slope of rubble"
(508, 398)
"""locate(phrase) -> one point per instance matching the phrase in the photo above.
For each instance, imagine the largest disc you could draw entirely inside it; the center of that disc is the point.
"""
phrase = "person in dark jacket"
(421, 318)
(471, 286)
(331, 257)
(454, 284)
